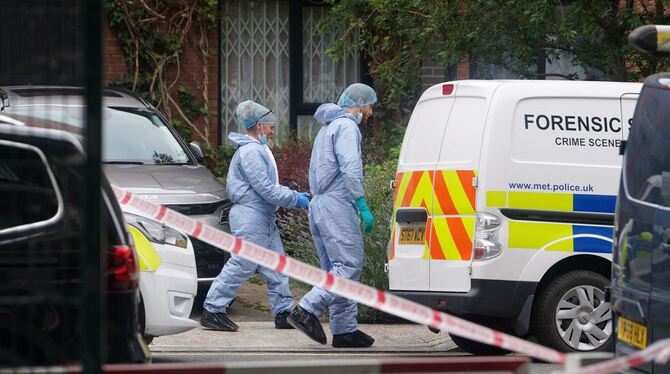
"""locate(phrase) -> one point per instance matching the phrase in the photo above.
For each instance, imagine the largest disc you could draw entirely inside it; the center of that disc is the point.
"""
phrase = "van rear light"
(486, 245)
(447, 89)
(123, 272)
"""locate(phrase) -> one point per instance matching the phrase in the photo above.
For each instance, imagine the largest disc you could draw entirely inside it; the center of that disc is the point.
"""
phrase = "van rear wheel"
(481, 349)
(571, 314)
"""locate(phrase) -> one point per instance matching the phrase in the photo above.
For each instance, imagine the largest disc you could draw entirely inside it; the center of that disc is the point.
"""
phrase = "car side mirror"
(197, 152)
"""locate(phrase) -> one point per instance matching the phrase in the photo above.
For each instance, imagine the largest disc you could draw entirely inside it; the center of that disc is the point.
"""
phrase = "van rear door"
(409, 256)
(453, 220)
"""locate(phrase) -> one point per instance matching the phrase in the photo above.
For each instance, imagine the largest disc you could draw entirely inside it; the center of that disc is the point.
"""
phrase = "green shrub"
(217, 160)
(379, 196)
(293, 167)
(294, 228)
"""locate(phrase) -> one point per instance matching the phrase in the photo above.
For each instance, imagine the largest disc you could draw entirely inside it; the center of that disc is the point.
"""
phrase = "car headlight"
(157, 232)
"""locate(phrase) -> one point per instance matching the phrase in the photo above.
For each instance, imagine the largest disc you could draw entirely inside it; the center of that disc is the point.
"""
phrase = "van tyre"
(571, 314)
(481, 349)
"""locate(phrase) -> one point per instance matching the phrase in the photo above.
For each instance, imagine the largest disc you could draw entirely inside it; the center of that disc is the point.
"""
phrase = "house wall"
(191, 75)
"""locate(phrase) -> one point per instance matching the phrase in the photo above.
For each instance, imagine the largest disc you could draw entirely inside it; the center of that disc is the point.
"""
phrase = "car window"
(647, 160)
(138, 135)
(29, 195)
(130, 135)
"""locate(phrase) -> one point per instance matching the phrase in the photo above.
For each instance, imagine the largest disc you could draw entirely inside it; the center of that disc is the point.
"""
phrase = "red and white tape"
(363, 294)
(659, 352)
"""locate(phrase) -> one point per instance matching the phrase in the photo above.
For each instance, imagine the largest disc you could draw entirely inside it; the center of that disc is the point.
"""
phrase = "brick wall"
(433, 73)
(191, 75)
(114, 63)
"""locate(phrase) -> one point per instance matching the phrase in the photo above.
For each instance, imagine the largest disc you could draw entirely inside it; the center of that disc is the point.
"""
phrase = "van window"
(463, 136)
(421, 146)
(27, 191)
(647, 160)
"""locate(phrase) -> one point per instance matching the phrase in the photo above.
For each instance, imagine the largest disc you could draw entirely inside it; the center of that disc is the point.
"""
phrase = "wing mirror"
(197, 151)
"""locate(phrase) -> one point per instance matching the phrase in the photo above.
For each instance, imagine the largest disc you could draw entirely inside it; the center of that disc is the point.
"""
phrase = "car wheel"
(142, 321)
(481, 349)
(571, 314)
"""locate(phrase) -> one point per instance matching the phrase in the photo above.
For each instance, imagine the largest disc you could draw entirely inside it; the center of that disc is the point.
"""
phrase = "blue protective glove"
(366, 214)
(303, 200)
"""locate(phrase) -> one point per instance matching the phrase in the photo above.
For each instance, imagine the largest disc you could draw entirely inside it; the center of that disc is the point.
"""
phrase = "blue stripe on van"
(593, 203)
(592, 245)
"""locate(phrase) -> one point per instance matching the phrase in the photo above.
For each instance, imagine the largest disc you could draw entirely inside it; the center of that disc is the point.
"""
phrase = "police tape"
(358, 292)
(658, 352)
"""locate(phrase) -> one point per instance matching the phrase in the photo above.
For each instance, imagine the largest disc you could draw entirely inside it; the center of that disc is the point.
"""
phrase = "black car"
(142, 153)
(40, 253)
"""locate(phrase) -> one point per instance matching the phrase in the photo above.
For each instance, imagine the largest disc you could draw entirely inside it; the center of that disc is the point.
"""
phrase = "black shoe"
(217, 321)
(280, 321)
(307, 323)
(356, 339)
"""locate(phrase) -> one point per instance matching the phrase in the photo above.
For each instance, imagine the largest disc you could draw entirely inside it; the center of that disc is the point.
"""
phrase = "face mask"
(359, 118)
(262, 138)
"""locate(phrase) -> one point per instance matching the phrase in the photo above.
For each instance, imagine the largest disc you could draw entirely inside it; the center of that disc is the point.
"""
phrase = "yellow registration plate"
(632, 333)
(412, 235)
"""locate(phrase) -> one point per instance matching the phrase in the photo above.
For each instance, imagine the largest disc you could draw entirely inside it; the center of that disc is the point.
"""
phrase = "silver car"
(142, 153)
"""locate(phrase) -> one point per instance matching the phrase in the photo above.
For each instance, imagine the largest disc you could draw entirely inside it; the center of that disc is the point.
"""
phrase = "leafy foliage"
(379, 197)
(293, 163)
(395, 35)
(217, 160)
(293, 168)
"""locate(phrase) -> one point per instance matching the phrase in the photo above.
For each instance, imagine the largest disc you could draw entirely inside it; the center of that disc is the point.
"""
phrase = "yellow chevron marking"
(402, 188)
(458, 196)
(469, 223)
(446, 241)
(424, 192)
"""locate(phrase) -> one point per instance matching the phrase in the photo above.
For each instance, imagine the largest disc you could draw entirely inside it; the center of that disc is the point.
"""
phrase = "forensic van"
(503, 206)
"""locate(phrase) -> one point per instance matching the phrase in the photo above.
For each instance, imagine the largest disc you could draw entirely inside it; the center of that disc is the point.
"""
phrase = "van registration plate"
(412, 235)
(632, 333)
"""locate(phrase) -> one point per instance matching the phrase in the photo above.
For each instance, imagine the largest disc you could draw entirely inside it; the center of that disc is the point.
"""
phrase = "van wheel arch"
(589, 262)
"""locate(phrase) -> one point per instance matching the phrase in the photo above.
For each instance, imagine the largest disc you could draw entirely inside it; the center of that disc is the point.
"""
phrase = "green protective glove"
(366, 214)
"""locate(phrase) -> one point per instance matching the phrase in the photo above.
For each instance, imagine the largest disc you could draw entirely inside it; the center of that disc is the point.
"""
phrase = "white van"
(504, 202)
